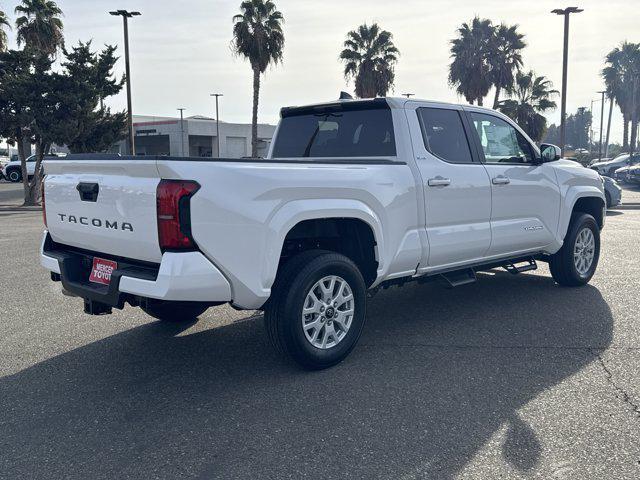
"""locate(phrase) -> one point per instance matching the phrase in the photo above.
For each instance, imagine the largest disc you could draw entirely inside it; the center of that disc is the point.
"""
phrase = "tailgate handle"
(88, 191)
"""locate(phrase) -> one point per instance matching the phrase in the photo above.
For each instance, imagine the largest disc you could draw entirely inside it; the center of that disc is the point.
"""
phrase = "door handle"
(500, 180)
(439, 181)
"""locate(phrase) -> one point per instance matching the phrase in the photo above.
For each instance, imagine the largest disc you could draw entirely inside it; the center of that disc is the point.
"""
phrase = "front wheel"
(176, 312)
(576, 262)
(317, 309)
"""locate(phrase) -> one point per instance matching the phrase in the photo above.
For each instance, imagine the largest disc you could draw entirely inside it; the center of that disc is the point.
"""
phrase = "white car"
(609, 167)
(354, 195)
(13, 172)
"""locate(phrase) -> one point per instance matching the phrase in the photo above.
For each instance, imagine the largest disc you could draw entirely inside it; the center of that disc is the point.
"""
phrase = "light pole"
(591, 129)
(634, 115)
(606, 142)
(181, 131)
(602, 92)
(565, 53)
(125, 16)
(408, 95)
(217, 121)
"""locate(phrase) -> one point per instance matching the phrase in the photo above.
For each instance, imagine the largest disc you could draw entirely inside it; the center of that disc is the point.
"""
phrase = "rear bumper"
(180, 276)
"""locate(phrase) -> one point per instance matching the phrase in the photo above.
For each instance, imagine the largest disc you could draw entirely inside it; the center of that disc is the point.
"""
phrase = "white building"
(195, 137)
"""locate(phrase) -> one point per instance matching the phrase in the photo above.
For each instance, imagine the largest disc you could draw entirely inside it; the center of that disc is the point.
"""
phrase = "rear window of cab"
(358, 129)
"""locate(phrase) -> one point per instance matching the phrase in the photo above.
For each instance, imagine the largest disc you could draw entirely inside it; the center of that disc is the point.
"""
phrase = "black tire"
(14, 175)
(607, 199)
(283, 312)
(177, 312)
(562, 265)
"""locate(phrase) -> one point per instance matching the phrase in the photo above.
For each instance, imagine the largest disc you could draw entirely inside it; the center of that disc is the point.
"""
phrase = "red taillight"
(44, 209)
(174, 218)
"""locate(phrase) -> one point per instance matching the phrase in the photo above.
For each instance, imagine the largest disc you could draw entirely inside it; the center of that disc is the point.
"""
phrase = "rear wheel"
(14, 176)
(175, 311)
(576, 262)
(317, 309)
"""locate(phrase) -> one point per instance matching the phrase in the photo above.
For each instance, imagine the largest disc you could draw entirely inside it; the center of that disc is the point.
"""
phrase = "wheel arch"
(295, 216)
(589, 200)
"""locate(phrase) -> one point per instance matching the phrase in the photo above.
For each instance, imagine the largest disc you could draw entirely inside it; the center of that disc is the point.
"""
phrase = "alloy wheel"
(327, 313)
(584, 251)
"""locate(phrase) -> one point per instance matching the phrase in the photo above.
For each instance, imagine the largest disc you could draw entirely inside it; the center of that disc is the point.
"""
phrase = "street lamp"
(563, 105)
(181, 131)
(217, 120)
(634, 113)
(591, 132)
(125, 16)
(601, 123)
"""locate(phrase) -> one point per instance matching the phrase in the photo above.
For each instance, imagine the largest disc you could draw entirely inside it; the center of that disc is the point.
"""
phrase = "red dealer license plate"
(102, 270)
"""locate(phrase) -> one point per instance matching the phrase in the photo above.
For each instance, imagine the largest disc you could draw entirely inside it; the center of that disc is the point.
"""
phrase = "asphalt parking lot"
(511, 377)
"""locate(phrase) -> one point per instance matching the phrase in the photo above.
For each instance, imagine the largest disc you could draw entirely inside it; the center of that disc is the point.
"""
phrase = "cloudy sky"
(180, 49)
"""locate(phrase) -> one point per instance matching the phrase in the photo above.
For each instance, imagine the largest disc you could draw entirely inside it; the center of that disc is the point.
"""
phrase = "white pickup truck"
(354, 195)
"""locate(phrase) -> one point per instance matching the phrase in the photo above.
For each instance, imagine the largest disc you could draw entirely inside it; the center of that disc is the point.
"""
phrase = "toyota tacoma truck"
(353, 196)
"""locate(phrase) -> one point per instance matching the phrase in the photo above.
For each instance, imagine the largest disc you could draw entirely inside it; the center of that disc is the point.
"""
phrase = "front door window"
(501, 143)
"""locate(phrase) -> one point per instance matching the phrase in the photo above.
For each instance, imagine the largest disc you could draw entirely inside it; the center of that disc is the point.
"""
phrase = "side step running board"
(515, 269)
(459, 277)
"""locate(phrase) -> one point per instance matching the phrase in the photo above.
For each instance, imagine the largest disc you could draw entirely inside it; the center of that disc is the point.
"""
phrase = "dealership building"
(195, 137)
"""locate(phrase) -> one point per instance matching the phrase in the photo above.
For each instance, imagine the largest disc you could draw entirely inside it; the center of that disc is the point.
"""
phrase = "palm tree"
(39, 27)
(370, 56)
(622, 64)
(471, 51)
(505, 58)
(532, 98)
(258, 36)
(4, 22)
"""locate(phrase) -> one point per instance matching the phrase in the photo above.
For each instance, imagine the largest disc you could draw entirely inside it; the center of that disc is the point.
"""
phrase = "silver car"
(608, 167)
(612, 191)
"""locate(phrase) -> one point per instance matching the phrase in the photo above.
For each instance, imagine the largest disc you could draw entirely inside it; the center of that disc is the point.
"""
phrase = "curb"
(19, 208)
(627, 206)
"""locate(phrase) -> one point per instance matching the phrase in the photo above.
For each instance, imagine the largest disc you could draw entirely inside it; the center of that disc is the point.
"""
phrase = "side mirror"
(550, 153)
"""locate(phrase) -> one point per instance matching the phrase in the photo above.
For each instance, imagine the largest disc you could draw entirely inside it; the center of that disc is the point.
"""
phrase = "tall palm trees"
(470, 68)
(258, 36)
(485, 56)
(621, 73)
(4, 22)
(370, 56)
(39, 27)
(505, 58)
(532, 98)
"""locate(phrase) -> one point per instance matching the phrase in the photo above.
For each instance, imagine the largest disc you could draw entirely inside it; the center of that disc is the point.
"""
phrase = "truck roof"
(392, 102)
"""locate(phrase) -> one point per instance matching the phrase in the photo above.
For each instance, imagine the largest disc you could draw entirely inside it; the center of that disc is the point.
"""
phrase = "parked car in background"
(4, 160)
(12, 171)
(633, 175)
(622, 174)
(612, 191)
(609, 167)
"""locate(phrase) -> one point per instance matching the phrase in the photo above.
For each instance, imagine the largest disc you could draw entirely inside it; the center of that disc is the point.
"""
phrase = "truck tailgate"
(105, 206)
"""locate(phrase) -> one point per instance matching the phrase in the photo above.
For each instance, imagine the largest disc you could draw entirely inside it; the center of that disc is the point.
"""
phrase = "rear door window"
(444, 135)
(349, 130)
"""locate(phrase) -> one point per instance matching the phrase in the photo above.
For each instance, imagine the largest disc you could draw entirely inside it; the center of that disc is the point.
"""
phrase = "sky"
(180, 50)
